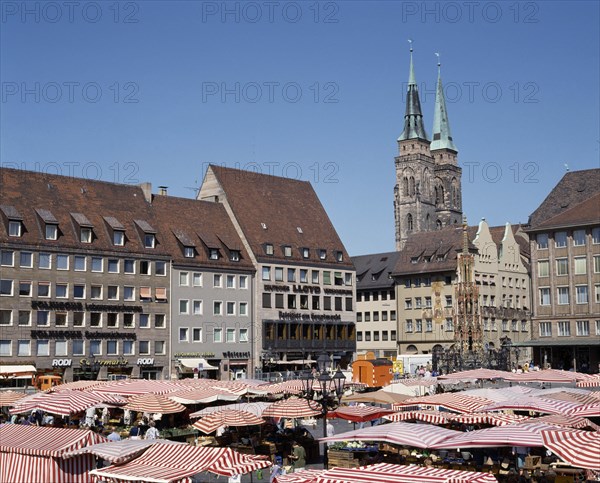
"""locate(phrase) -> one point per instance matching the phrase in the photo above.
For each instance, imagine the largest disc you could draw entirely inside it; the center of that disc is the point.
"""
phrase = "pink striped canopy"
(63, 403)
(7, 398)
(429, 416)
(302, 476)
(547, 375)
(293, 386)
(455, 401)
(590, 381)
(359, 414)
(579, 448)
(119, 452)
(168, 463)
(201, 395)
(78, 385)
(256, 408)
(402, 474)
(293, 408)
(512, 435)
(408, 434)
(153, 403)
(540, 405)
(227, 417)
(476, 374)
(571, 397)
(139, 386)
(567, 421)
(494, 419)
(588, 411)
(417, 381)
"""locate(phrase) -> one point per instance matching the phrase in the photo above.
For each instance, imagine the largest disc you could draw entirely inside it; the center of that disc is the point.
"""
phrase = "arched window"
(405, 186)
(438, 225)
(427, 222)
(439, 196)
(412, 186)
(412, 349)
(409, 222)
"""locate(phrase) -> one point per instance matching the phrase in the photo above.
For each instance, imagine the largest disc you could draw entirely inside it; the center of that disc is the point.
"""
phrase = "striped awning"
(227, 417)
(528, 435)
(256, 408)
(562, 420)
(547, 375)
(588, 411)
(43, 440)
(293, 408)
(494, 419)
(153, 403)
(591, 381)
(453, 401)
(119, 452)
(293, 386)
(359, 414)
(167, 463)
(63, 403)
(476, 374)
(302, 476)
(540, 405)
(8, 398)
(417, 381)
(429, 416)
(17, 370)
(571, 397)
(409, 434)
(578, 448)
(193, 395)
(139, 386)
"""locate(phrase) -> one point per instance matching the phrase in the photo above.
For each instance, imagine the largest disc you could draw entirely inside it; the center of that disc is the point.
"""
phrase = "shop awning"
(197, 363)
(17, 370)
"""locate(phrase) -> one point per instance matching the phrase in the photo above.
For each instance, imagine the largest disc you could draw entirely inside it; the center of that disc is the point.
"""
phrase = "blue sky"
(155, 91)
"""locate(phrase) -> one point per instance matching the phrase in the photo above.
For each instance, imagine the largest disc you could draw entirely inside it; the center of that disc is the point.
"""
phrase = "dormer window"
(189, 252)
(118, 238)
(305, 253)
(149, 240)
(15, 228)
(51, 231)
(85, 235)
(147, 232)
(214, 254)
(339, 256)
(322, 254)
(287, 251)
(414, 259)
(235, 255)
(269, 249)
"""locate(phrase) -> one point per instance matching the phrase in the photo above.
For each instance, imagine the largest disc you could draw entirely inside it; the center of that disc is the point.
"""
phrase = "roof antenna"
(439, 60)
(567, 167)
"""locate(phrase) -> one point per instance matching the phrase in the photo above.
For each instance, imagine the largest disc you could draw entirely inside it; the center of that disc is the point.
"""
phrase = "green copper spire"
(413, 118)
(442, 136)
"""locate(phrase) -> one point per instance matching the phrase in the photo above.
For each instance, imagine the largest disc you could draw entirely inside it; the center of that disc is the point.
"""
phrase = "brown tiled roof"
(584, 213)
(290, 211)
(183, 220)
(372, 270)
(574, 188)
(31, 193)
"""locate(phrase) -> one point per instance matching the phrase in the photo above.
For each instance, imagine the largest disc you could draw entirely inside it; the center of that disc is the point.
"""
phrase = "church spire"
(442, 136)
(413, 118)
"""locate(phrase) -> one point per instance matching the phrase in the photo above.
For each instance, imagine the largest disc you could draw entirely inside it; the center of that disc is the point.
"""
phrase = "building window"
(583, 327)
(51, 231)
(291, 274)
(596, 263)
(128, 321)
(278, 274)
(159, 347)
(43, 348)
(305, 252)
(5, 317)
(287, 251)
(230, 336)
(562, 266)
(78, 347)
(243, 308)
(79, 319)
(560, 239)
(129, 293)
(129, 266)
(376, 336)
(43, 289)
(217, 335)
(543, 268)
(60, 319)
(407, 304)
(291, 301)
(197, 307)
(23, 348)
(24, 318)
(448, 301)
(213, 254)
(118, 238)
(197, 279)
(26, 260)
(5, 348)
(149, 240)
(418, 325)
(326, 278)
(217, 307)
(597, 293)
(230, 308)
(112, 292)
(427, 302)
(581, 293)
(542, 241)
(43, 318)
(7, 258)
(144, 347)
(579, 238)
(128, 348)
(243, 282)
(545, 329)
(304, 275)
(45, 261)
(15, 228)
(368, 336)
(269, 249)
(197, 334)
(230, 281)
(189, 252)
(339, 256)
(266, 300)
(234, 255)
(243, 335)
(111, 348)
(359, 336)
(160, 269)
(184, 306)
(428, 325)
(96, 292)
(85, 235)
(564, 328)
(60, 348)
(327, 304)
(580, 266)
(393, 335)
(184, 334)
(266, 273)
(563, 295)
(97, 264)
(144, 321)
(598, 327)
(217, 280)
(349, 305)
(113, 265)
(545, 296)
(96, 347)
(322, 254)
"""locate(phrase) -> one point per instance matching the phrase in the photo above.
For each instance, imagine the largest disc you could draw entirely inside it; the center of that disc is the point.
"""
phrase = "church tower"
(414, 209)
(427, 194)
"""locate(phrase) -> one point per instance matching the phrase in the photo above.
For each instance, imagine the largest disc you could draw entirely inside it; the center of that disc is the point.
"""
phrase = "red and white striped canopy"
(119, 452)
(590, 381)
(476, 374)
(417, 381)
(588, 411)
(573, 397)
(293, 386)
(302, 476)
(455, 401)
(167, 463)
(227, 417)
(139, 386)
(201, 395)
(359, 414)
(257, 408)
(429, 416)
(77, 385)
(512, 435)
(494, 419)
(408, 434)
(547, 375)
(293, 408)
(567, 421)
(153, 403)
(579, 448)
(43, 440)
(62, 403)
(540, 405)
(8, 398)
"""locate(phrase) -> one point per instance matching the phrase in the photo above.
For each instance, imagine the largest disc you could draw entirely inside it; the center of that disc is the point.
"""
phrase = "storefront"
(196, 365)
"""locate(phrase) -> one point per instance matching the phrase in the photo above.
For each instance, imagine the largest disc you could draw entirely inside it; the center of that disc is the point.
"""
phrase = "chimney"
(162, 190)
(147, 190)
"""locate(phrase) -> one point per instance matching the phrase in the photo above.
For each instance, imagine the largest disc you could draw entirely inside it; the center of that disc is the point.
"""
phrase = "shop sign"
(121, 361)
(209, 355)
(145, 361)
(61, 362)
(236, 355)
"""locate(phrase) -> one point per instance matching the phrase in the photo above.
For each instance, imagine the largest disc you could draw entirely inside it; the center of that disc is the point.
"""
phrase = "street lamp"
(332, 386)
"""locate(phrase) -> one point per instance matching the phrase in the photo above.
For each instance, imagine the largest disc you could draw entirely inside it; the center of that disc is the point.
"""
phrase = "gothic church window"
(409, 222)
